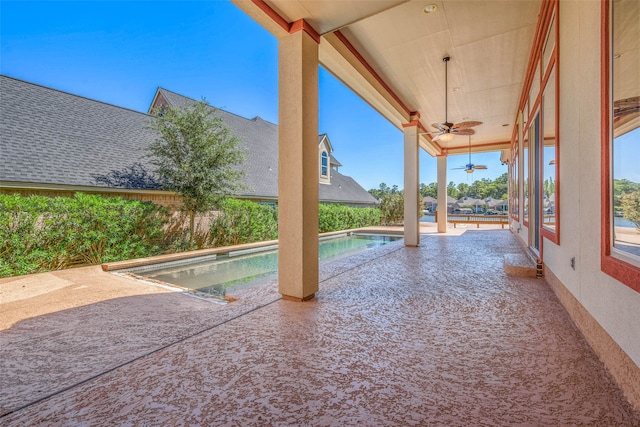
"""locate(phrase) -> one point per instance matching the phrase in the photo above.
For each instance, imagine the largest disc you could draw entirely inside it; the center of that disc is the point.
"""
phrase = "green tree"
(196, 155)
(430, 190)
(463, 190)
(383, 190)
(453, 191)
(631, 206)
(500, 187)
(380, 191)
(549, 187)
(621, 187)
(392, 209)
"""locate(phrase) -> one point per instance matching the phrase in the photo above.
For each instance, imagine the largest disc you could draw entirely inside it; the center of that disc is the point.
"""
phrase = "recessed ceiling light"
(505, 125)
(465, 118)
(617, 55)
(430, 8)
(456, 89)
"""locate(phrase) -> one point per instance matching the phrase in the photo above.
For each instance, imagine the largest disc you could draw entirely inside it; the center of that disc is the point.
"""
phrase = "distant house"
(431, 203)
(56, 143)
(465, 203)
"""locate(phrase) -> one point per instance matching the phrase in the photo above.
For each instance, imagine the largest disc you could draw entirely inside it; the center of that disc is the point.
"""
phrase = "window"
(621, 141)
(515, 194)
(549, 44)
(549, 159)
(525, 178)
(550, 202)
(325, 164)
(540, 142)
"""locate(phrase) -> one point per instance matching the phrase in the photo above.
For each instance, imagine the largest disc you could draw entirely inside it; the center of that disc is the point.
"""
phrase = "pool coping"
(138, 262)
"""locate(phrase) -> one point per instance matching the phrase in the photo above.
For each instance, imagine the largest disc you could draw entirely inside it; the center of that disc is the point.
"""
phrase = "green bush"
(40, 233)
(242, 221)
(392, 209)
(340, 217)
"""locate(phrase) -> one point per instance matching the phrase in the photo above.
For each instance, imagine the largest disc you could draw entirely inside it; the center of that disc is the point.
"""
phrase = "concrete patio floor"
(396, 336)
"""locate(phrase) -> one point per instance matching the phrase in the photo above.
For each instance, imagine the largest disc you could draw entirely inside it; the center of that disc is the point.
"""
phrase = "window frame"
(526, 175)
(514, 180)
(324, 164)
(545, 59)
(552, 234)
(619, 269)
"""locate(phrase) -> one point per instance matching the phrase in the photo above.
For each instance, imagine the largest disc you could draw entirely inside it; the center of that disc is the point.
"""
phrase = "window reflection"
(515, 194)
(525, 177)
(549, 161)
(626, 127)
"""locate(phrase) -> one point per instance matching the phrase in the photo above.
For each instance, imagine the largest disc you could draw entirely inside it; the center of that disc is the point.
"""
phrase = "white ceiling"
(488, 41)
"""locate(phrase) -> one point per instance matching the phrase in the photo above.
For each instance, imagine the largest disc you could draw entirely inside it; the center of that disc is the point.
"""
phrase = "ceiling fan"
(470, 167)
(447, 130)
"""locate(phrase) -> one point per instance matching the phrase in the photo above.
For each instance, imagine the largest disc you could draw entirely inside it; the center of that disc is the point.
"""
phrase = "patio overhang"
(390, 54)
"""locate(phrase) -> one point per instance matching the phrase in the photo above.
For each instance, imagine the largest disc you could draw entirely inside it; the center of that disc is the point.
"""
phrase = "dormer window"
(325, 164)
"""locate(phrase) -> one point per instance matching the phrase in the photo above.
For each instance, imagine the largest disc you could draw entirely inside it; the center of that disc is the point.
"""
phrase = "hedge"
(40, 233)
(243, 221)
(340, 217)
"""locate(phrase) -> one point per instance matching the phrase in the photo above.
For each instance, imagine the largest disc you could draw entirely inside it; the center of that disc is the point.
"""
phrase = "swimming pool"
(215, 275)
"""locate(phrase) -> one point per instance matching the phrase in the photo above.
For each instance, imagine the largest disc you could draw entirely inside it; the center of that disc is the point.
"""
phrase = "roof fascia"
(153, 101)
(325, 139)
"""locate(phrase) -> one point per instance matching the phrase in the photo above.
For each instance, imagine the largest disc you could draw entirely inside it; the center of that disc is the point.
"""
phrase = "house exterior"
(260, 145)
(56, 143)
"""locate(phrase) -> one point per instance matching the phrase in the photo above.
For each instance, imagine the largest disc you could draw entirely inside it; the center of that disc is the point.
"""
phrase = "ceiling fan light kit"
(446, 137)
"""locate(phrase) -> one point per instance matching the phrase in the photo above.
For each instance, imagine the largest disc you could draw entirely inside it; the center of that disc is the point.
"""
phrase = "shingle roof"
(344, 189)
(52, 137)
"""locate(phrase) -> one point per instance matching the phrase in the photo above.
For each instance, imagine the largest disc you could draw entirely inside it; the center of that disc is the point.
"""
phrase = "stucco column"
(298, 166)
(442, 194)
(411, 184)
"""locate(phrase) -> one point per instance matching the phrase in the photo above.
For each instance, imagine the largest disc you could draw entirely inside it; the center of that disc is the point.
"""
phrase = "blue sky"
(120, 52)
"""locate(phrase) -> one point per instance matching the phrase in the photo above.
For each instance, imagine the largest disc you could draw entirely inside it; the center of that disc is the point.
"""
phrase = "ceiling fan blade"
(463, 131)
(479, 167)
(441, 126)
(464, 125)
(455, 169)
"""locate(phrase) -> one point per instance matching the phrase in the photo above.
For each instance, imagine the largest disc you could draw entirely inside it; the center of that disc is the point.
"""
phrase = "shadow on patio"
(435, 335)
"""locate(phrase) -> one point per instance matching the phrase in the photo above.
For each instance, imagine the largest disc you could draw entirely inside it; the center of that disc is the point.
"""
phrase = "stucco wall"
(612, 304)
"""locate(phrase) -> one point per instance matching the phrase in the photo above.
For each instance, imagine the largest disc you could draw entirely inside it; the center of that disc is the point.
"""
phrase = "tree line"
(480, 189)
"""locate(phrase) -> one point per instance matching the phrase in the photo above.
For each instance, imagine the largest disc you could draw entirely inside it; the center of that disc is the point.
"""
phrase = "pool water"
(216, 277)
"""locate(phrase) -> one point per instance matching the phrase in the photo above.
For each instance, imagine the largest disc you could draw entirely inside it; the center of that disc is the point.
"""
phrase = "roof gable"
(53, 137)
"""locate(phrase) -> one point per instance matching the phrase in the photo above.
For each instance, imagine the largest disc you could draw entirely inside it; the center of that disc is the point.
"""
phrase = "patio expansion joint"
(135, 359)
